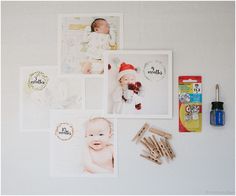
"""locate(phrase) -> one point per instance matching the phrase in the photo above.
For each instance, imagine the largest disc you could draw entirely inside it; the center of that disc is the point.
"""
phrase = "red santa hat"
(126, 69)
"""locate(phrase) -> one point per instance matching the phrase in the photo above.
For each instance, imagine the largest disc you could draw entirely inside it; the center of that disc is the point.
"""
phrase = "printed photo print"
(138, 84)
(82, 144)
(84, 37)
(41, 89)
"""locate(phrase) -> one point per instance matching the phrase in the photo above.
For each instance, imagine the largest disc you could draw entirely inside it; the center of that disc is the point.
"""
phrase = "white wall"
(201, 35)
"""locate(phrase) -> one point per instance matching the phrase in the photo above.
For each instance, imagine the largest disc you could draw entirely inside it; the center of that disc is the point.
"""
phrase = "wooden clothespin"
(157, 146)
(140, 133)
(155, 149)
(150, 158)
(161, 133)
(146, 144)
(171, 152)
(151, 142)
(152, 149)
(164, 150)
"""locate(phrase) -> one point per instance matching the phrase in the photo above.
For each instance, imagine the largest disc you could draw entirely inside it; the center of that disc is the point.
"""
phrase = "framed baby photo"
(82, 39)
(138, 84)
(42, 89)
(82, 144)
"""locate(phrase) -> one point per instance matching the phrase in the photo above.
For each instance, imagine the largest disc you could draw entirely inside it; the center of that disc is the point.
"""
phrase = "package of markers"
(190, 103)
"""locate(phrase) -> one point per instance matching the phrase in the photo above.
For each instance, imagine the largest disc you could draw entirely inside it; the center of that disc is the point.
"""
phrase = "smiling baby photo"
(82, 144)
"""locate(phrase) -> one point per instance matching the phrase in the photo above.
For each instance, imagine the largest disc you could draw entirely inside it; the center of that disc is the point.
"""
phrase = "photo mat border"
(59, 46)
(87, 114)
(170, 80)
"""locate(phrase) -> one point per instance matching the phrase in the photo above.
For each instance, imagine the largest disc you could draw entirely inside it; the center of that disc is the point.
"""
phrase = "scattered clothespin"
(164, 148)
(161, 133)
(156, 148)
(148, 142)
(146, 145)
(150, 158)
(157, 145)
(151, 142)
(152, 149)
(140, 133)
(171, 152)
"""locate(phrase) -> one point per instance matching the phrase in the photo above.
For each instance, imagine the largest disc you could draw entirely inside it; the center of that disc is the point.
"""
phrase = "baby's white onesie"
(97, 43)
(122, 107)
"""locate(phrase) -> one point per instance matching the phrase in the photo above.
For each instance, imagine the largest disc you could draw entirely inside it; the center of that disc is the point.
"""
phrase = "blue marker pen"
(217, 115)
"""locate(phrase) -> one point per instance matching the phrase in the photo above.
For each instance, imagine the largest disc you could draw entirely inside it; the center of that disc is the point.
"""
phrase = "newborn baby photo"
(84, 37)
(138, 84)
(82, 144)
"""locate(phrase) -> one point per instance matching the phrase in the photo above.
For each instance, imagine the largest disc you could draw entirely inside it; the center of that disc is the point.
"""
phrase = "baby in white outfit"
(99, 38)
(126, 96)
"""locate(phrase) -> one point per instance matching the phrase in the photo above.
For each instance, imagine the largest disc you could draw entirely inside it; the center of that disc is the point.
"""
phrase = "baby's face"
(103, 27)
(98, 134)
(127, 79)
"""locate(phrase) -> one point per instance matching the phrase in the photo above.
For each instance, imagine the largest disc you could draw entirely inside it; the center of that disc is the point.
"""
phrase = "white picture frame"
(162, 61)
(66, 151)
(48, 91)
(89, 17)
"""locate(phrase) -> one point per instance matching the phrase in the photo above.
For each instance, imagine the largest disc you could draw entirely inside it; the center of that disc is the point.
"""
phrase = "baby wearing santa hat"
(126, 97)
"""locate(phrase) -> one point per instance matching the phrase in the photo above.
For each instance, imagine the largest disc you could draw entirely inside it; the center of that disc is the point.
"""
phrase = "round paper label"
(154, 70)
(37, 80)
(64, 131)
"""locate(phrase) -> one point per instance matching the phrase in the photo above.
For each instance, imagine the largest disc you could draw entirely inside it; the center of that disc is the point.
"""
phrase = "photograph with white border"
(82, 38)
(42, 89)
(138, 83)
(82, 144)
